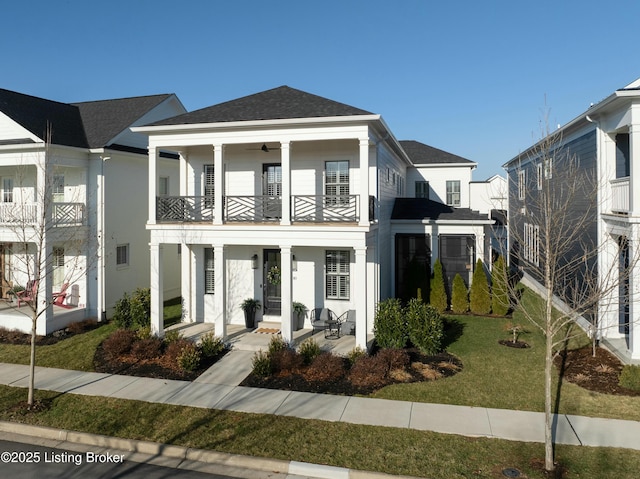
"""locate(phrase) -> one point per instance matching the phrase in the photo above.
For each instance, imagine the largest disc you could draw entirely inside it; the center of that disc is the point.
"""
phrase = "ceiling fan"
(265, 148)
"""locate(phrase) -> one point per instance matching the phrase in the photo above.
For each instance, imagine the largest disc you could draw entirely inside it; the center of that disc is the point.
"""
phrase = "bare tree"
(554, 238)
(50, 237)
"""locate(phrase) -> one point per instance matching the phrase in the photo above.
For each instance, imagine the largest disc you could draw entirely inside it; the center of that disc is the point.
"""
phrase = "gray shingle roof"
(84, 125)
(421, 154)
(103, 120)
(278, 103)
(422, 209)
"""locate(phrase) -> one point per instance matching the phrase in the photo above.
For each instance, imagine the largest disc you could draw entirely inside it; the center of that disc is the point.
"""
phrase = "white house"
(287, 196)
(605, 140)
(74, 188)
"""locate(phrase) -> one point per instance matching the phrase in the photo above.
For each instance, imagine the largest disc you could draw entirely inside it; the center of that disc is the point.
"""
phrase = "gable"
(12, 133)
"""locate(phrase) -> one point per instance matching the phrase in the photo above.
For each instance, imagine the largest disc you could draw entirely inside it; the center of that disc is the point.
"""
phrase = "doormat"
(267, 331)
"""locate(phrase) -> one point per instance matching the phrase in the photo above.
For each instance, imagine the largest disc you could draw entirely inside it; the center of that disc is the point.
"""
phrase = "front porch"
(19, 318)
(258, 339)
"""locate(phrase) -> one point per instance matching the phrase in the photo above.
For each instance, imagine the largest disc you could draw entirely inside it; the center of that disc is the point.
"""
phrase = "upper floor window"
(58, 188)
(453, 193)
(122, 255)
(7, 190)
(422, 189)
(521, 184)
(163, 185)
(539, 171)
(209, 185)
(531, 246)
(337, 182)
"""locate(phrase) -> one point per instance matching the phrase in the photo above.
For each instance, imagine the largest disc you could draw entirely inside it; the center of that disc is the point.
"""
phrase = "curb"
(223, 459)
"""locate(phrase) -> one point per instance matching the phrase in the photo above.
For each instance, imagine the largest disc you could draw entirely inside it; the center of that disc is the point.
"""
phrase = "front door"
(272, 191)
(271, 282)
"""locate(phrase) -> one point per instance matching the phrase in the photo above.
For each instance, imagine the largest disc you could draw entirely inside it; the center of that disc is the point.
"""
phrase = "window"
(453, 193)
(521, 184)
(122, 255)
(58, 267)
(548, 168)
(531, 249)
(337, 274)
(209, 273)
(422, 189)
(163, 185)
(7, 190)
(337, 182)
(209, 186)
(58, 188)
(539, 171)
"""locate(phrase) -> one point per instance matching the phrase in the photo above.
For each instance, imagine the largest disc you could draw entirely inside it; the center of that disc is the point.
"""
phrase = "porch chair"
(29, 293)
(319, 318)
(347, 322)
(58, 298)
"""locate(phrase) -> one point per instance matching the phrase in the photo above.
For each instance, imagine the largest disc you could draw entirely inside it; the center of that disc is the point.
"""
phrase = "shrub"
(369, 371)
(135, 310)
(172, 336)
(285, 361)
(325, 367)
(174, 349)
(395, 358)
(630, 377)
(309, 350)
(211, 345)
(459, 295)
(425, 326)
(389, 325)
(148, 348)
(438, 292)
(276, 344)
(479, 298)
(499, 288)
(355, 354)
(189, 357)
(261, 364)
(143, 332)
(119, 343)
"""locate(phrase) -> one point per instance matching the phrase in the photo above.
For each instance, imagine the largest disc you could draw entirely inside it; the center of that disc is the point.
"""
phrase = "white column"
(184, 175)
(360, 293)
(153, 178)
(634, 293)
(634, 158)
(45, 286)
(220, 296)
(286, 182)
(608, 271)
(286, 313)
(157, 293)
(218, 169)
(186, 289)
(364, 182)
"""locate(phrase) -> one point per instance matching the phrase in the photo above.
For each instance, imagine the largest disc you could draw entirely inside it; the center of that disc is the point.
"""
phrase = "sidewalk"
(218, 389)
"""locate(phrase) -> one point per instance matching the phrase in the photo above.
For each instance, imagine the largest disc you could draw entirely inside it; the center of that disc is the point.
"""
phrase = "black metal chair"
(320, 319)
(347, 322)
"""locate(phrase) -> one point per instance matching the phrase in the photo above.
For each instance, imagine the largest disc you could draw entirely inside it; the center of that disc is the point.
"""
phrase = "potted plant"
(299, 311)
(250, 306)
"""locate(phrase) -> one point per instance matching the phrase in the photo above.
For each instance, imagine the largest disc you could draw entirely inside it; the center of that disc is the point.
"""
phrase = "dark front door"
(413, 266)
(272, 191)
(272, 281)
(457, 253)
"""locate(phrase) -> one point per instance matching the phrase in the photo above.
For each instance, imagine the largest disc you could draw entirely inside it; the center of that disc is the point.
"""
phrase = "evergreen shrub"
(389, 325)
(459, 296)
(479, 297)
(438, 292)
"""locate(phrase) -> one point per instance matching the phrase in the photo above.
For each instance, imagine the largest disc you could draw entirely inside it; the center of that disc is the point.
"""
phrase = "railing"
(325, 208)
(253, 208)
(62, 214)
(620, 193)
(184, 208)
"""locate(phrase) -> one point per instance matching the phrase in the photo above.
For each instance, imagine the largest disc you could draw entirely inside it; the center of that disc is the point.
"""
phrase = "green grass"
(390, 450)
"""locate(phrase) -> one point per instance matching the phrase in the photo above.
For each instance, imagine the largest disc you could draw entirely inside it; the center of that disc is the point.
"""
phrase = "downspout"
(103, 250)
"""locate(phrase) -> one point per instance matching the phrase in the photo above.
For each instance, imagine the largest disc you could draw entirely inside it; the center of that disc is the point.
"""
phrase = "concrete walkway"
(218, 389)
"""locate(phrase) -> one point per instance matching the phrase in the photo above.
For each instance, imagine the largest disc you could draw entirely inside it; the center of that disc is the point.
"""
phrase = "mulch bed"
(444, 363)
(158, 368)
(511, 344)
(599, 374)
(16, 337)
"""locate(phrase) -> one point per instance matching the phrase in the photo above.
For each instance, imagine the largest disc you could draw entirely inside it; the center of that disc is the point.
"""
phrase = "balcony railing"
(325, 208)
(62, 214)
(253, 208)
(620, 194)
(184, 208)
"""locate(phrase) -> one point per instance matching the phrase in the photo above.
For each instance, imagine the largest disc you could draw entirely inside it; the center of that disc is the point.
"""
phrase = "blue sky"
(469, 77)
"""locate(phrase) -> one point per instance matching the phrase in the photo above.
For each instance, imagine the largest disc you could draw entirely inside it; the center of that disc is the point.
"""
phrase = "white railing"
(620, 193)
(62, 214)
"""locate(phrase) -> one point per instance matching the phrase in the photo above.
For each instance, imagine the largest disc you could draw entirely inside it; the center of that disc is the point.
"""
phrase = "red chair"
(58, 298)
(29, 293)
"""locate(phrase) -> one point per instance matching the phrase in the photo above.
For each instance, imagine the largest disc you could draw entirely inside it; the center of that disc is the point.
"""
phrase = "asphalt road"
(27, 461)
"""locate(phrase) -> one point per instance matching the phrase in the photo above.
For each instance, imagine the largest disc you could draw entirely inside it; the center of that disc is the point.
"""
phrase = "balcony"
(62, 214)
(620, 194)
(260, 209)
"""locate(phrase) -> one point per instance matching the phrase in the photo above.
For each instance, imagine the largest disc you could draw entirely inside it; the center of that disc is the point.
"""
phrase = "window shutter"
(209, 271)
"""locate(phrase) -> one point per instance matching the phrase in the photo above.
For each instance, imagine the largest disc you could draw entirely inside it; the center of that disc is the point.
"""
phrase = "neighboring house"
(287, 196)
(605, 139)
(81, 164)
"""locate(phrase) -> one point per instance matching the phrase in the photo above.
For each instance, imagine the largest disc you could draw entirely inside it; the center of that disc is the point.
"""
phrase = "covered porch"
(19, 318)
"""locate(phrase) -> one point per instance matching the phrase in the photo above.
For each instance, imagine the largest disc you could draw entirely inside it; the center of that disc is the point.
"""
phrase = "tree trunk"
(548, 417)
(32, 361)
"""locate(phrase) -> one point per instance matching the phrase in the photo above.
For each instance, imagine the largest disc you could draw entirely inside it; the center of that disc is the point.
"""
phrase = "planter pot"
(298, 323)
(250, 319)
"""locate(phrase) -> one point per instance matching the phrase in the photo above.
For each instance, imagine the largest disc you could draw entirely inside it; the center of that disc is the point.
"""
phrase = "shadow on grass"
(453, 330)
